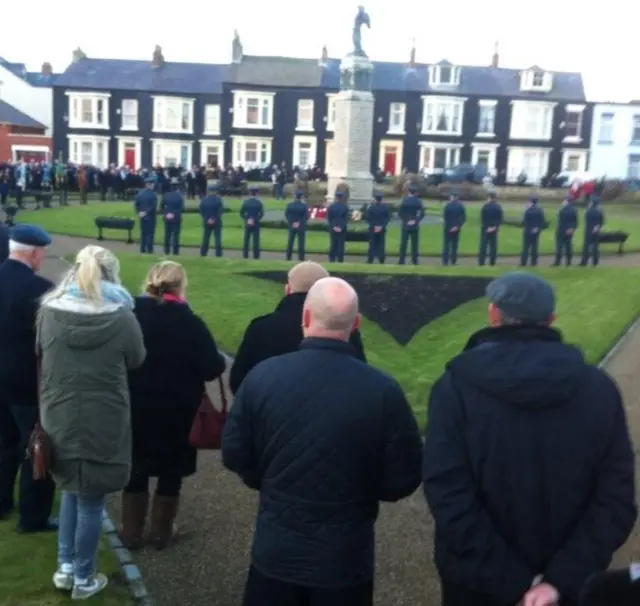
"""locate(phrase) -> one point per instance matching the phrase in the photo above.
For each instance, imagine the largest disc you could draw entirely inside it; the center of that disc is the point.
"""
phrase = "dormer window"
(444, 74)
(536, 79)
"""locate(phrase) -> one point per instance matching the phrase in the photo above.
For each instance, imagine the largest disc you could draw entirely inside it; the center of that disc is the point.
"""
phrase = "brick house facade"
(21, 136)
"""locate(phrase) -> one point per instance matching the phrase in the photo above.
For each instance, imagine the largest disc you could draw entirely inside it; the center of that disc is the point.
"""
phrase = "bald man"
(324, 437)
(280, 332)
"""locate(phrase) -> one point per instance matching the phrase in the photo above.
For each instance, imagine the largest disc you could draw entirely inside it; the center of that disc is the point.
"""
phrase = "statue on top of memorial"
(362, 18)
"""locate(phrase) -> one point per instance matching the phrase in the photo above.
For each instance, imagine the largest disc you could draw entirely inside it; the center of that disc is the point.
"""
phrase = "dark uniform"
(532, 225)
(411, 212)
(4, 243)
(296, 214)
(211, 211)
(20, 291)
(593, 222)
(338, 221)
(252, 211)
(490, 219)
(566, 226)
(377, 216)
(454, 216)
(172, 209)
(146, 205)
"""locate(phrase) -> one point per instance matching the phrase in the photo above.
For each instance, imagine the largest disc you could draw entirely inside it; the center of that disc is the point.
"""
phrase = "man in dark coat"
(528, 465)
(20, 292)
(567, 223)
(454, 216)
(146, 205)
(532, 226)
(491, 217)
(324, 438)
(4, 243)
(211, 211)
(338, 224)
(296, 215)
(378, 215)
(280, 332)
(411, 212)
(593, 222)
(251, 212)
(172, 207)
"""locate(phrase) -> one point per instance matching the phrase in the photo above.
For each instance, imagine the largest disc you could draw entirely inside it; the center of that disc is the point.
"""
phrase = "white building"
(615, 141)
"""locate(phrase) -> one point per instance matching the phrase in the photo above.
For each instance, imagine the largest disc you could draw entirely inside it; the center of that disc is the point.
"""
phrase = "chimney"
(158, 58)
(47, 70)
(78, 55)
(495, 60)
(412, 54)
(236, 48)
(325, 55)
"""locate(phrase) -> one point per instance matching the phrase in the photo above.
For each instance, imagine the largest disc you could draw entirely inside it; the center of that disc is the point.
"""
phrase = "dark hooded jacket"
(528, 467)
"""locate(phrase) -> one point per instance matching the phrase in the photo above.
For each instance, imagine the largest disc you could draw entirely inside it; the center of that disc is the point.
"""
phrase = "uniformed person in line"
(20, 291)
(454, 216)
(566, 225)
(338, 222)
(377, 216)
(593, 222)
(411, 212)
(532, 225)
(146, 205)
(172, 208)
(296, 214)
(252, 211)
(491, 217)
(211, 211)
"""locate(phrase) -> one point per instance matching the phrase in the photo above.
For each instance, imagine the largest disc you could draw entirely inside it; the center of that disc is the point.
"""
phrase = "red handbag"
(40, 447)
(208, 424)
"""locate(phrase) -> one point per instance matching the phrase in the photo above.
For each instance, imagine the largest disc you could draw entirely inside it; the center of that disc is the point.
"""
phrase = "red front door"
(390, 160)
(130, 156)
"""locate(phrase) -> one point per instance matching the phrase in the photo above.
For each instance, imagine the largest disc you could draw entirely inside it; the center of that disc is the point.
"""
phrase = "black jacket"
(275, 334)
(528, 466)
(167, 389)
(4, 243)
(325, 438)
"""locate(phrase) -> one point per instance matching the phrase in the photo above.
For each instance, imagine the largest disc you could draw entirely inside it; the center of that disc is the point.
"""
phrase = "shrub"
(613, 189)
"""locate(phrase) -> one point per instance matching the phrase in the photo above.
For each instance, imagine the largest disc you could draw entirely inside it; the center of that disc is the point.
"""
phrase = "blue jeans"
(79, 532)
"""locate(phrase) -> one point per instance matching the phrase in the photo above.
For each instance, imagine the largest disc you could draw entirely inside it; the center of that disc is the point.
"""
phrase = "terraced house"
(258, 111)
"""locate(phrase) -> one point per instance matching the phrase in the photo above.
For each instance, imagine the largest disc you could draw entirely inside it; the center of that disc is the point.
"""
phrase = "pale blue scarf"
(111, 293)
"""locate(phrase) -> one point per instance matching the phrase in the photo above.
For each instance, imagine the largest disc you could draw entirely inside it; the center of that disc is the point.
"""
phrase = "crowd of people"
(527, 464)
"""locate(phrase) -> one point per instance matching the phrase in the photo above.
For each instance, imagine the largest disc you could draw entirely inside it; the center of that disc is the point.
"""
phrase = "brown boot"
(163, 515)
(134, 514)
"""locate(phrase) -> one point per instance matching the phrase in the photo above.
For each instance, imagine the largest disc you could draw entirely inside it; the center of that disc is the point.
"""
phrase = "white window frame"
(430, 106)
(435, 75)
(122, 142)
(305, 125)
(633, 170)
(529, 81)
(204, 144)
(75, 150)
(397, 109)
(239, 151)
(212, 117)
(520, 119)
(491, 149)
(75, 111)
(129, 109)
(581, 154)
(161, 104)
(17, 150)
(313, 151)
(574, 109)
(493, 104)
(517, 153)
(240, 102)
(611, 119)
(453, 154)
(331, 111)
(160, 147)
(635, 126)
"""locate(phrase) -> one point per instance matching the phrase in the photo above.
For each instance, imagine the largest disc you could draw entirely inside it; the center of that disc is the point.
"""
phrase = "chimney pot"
(495, 60)
(47, 70)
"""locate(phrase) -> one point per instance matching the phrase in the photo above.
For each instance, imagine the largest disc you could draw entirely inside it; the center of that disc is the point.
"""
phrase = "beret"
(254, 189)
(339, 194)
(378, 195)
(212, 187)
(29, 235)
(150, 180)
(523, 297)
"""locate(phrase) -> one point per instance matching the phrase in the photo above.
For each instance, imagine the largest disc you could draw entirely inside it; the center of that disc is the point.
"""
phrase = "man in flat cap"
(20, 292)
(528, 466)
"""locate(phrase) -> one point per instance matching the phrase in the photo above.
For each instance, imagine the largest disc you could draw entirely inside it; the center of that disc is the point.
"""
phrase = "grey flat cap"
(523, 297)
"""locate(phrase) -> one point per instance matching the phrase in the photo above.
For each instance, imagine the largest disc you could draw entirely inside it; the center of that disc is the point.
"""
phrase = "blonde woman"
(89, 338)
(165, 394)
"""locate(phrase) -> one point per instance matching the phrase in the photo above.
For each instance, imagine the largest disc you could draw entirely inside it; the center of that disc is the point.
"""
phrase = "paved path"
(207, 565)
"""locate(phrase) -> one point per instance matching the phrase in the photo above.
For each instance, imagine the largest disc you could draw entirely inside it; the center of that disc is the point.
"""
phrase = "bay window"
(170, 152)
(88, 150)
(172, 115)
(442, 115)
(251, 152)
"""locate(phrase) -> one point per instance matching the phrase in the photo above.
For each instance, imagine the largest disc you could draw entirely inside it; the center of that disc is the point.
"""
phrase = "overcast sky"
(561, 35)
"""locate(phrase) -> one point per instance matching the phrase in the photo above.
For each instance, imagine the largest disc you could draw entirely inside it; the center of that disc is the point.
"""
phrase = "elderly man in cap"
(280, 332)
(296, 215)
(252, 211)
(146, 205)
(172, 208)
(211, 211)
(20, 291)
(528, 466)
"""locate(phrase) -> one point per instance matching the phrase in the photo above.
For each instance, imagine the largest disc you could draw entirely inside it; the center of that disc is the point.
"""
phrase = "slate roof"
(34, 78)
(277, 71)
(13, 116)
(126, 74)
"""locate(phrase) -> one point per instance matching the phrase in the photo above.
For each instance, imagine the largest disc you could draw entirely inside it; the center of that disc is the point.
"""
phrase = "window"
(635, 129)
(537, 80)
(606, 128)
(573, 123)
(212, 119)
(438, 157)
(487, 118)
(253, 110)
(167, 152)
(172, 115)
(305, 114)
(251, 153)
(331, 112)
(442, 115)
(129, 114)
(633, 171)
(572, 163)
(88, 110)
(485, 154)
(444, 75)
(483, 158)
(531, 120)
(86, 152)
(532, 161)
(90, 151)
(304, 151)
(212, 154)
(396, 118)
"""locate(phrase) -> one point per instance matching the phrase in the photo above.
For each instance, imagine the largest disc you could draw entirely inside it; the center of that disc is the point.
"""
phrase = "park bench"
(228, 189)
(614, 237)
(115, 223)
(41, 198)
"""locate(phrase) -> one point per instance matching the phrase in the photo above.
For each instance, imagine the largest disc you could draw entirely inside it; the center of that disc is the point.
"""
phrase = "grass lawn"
(27, 563)
(594, 308)
(79, 221)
